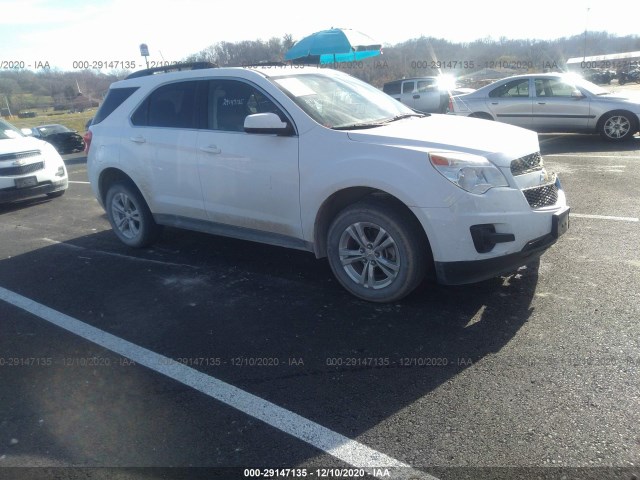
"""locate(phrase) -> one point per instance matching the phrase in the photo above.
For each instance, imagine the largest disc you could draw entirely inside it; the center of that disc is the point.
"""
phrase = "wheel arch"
(341, 199)
(605, 115)
(111, 175)
(482, 115)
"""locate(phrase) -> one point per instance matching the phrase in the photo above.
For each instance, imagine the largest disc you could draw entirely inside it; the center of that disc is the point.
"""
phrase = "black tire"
(130, 216)
(617, 126)
(56, 194)
(387, 267)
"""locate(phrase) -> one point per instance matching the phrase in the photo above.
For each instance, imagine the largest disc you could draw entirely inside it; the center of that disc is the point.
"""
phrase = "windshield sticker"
(295, 86)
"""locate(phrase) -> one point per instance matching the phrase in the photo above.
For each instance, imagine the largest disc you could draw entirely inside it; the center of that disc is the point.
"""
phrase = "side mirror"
(577, 94)
(268, 123)
(27, 132)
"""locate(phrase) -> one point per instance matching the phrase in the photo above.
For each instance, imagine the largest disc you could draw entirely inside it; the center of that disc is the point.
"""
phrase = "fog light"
(60, 172)
(485, 237)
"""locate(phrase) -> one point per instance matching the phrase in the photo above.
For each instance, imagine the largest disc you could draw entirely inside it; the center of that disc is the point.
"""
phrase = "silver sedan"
(553, 102)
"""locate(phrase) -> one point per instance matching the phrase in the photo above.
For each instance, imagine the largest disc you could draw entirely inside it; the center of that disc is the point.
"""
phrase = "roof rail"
(174, 67)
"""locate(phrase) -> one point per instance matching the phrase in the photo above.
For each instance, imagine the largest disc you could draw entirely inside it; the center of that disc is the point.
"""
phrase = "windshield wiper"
(358, 126)
(406, 115)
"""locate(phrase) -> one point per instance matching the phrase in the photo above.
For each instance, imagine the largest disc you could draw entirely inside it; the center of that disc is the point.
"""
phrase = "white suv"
(318, 160)
(28, 167)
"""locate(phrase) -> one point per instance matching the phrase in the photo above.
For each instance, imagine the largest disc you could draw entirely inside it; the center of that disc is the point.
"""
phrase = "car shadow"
(22, 204)
(356, 364)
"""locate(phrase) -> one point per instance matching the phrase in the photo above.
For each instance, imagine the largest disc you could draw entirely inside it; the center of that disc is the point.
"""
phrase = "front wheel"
(617, 126)
(130, 216)
(376, 251)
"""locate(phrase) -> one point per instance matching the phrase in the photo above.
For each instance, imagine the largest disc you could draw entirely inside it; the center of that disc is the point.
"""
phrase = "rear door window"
(170, 106)
(407, 87)
(514, 88)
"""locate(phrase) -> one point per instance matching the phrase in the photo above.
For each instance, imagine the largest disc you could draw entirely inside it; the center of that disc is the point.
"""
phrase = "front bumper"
(12, 194)
(462, 272)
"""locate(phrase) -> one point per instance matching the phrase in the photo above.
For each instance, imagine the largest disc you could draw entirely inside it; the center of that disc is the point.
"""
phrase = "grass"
(74, 121)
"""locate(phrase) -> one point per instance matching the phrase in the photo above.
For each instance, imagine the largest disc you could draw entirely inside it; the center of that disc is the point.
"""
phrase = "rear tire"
(130, 216)
(376, 251)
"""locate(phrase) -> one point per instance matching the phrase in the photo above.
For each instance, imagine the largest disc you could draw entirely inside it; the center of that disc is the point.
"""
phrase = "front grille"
(21, 169)
(541, 196)
(19, 155)
(527, 164)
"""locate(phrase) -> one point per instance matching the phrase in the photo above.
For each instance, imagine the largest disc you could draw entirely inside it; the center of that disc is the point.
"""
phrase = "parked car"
(423, 94)
(28, 167)
(553, 102)
(62, 138)
(317, 160)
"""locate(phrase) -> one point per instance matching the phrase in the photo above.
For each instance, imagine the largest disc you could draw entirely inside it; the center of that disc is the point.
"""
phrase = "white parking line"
(333, 443)
(605, 217)
(77, 181)
(119, 255)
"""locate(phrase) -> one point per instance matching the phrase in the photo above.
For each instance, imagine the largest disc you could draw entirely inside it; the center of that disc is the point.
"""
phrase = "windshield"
(51, 129)
(340, 101)
(592, 88)
(8, 131)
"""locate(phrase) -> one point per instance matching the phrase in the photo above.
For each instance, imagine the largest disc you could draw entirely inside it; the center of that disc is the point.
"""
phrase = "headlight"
(472, 173)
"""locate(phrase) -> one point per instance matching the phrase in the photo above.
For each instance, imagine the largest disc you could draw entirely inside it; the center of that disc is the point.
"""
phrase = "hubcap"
(125, 215)
(369, 255)
(617, 126)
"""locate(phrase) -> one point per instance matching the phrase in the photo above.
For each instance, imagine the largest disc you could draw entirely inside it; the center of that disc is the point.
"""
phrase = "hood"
(498, 142)
(20, 144)
(631, 97)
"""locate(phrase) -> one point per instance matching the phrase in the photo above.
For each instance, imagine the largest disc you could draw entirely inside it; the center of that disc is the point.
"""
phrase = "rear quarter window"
(113, 100)
(392, 88)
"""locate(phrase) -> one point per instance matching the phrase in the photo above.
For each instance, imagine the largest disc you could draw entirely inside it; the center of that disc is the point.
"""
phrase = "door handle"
(211, 149)
(416, 96)
(138, 139)
(542, 103)
(495, 103)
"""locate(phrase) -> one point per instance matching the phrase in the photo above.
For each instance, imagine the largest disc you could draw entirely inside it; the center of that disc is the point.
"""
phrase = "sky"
(61, 32)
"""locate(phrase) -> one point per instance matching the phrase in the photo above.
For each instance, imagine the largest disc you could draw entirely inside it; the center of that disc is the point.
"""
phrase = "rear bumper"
(13, 194)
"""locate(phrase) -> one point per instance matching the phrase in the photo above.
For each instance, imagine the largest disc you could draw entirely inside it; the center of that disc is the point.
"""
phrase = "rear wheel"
(375, 251)
(617, 126)
(130, 216)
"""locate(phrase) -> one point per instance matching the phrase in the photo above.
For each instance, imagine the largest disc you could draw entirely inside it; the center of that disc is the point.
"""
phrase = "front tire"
(617, 126)
(376, 251)
(130, 216)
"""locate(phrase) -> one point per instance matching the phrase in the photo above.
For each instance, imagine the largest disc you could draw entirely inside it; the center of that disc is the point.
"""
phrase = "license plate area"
(26, 182)
(560, 222)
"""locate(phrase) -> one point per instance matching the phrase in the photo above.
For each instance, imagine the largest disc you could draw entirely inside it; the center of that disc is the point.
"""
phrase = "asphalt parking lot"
(212, 352)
